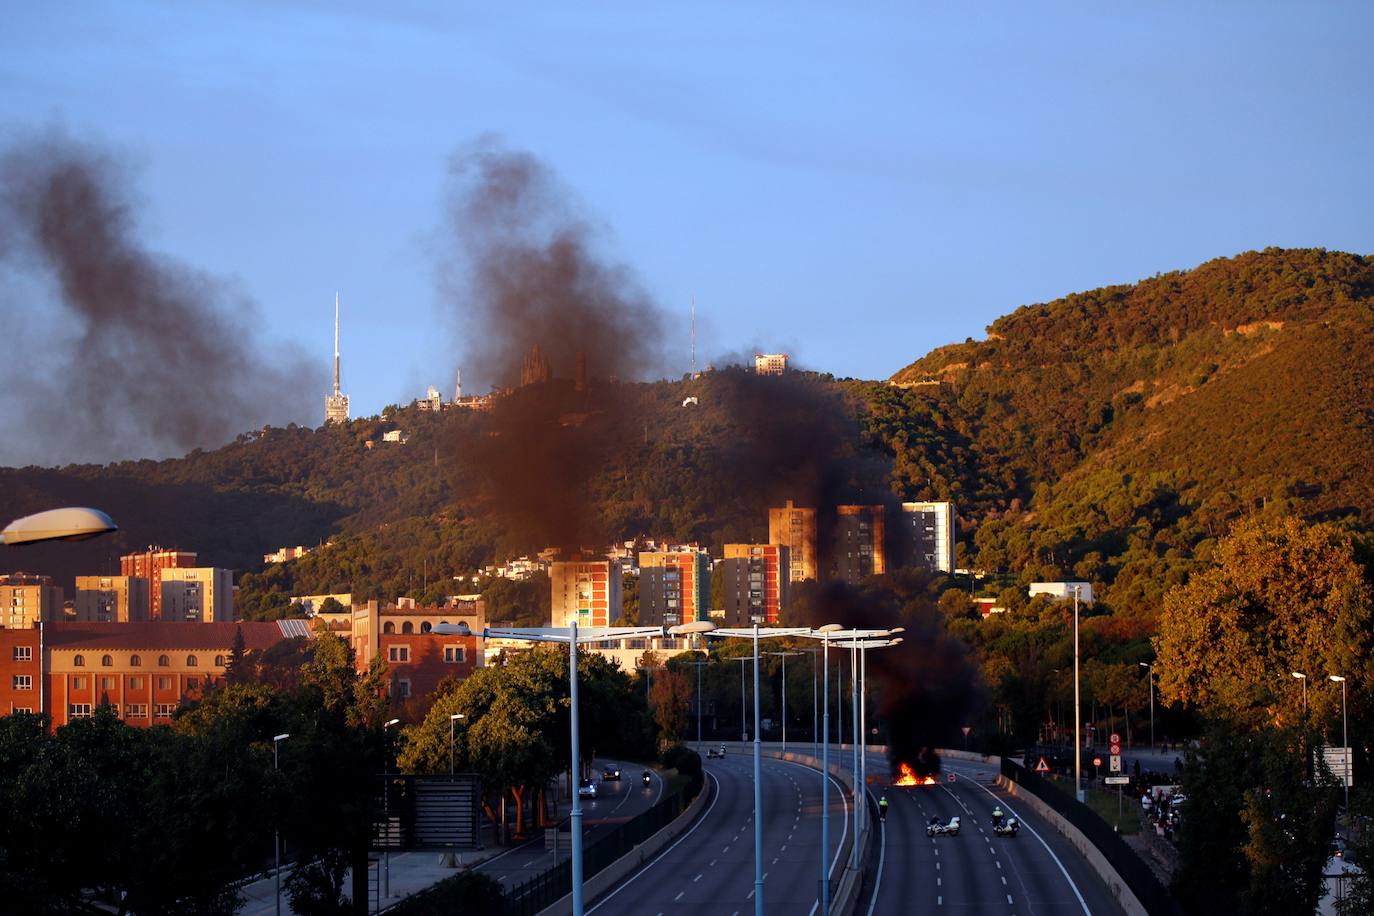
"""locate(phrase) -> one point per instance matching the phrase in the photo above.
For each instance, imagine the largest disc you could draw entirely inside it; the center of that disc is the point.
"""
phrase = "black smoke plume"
(140, 355)
(540, 304)
(927, 686)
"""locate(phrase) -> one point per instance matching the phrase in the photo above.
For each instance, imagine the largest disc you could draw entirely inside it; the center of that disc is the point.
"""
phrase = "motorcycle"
(1006, 827)
(937, 827)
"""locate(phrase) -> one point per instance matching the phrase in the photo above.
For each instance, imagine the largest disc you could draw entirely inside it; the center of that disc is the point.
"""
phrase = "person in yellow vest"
(882, 809)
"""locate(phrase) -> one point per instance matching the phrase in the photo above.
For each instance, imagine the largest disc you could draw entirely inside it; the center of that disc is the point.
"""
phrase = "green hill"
(1109, 435)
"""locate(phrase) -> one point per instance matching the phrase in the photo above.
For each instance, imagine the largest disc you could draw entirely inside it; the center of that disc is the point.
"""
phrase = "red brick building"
(417, 657)
(149, 565)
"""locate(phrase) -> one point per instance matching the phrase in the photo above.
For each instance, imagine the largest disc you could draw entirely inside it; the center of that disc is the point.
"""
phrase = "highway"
(710, 868)
(1034, 874)
(617, 802)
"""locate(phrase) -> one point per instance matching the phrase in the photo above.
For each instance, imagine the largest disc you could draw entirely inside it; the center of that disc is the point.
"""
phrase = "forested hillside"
(1110, 435)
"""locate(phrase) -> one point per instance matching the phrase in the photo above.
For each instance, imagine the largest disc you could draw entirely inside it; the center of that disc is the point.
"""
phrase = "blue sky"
(854, 184)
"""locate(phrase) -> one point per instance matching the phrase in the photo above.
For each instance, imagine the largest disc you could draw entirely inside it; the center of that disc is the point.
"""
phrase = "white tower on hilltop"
(336, 404)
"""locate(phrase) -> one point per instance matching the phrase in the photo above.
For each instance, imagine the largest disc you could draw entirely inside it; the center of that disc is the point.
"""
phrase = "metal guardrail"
(548, 888)
(1152, 894)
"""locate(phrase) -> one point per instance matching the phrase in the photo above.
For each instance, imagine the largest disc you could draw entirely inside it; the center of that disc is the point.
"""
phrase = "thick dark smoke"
(927, 686)
(140, 356)
(528, 274)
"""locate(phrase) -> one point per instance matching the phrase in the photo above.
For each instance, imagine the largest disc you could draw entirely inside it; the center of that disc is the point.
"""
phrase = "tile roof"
(165, 634)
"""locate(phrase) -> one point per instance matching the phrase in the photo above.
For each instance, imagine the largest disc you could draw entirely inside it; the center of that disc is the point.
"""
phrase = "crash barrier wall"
(1127, 876)
(610, 859)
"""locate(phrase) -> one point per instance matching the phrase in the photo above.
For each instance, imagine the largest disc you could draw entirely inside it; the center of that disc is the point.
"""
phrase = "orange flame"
(907, 777)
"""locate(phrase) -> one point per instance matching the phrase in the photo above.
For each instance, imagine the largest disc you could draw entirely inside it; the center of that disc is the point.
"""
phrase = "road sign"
(966, 728)
(1116, 763)
(1115, 738)
(1117, 780)
(1339, 763)
(1042, 766)
(1097, 761)
(1115, 747)
(949, 777)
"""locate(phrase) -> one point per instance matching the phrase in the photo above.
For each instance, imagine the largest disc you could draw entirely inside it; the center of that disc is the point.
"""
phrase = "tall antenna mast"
(336, 344)
(458, 386)
(694, 335)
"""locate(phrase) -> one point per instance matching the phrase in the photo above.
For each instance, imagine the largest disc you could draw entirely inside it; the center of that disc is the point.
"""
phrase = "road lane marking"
(679, 896)
(696, 879)
(1009, 900)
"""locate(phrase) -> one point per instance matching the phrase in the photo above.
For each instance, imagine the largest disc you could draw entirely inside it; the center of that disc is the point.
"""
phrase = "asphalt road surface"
(710, 868)
(1035, 873)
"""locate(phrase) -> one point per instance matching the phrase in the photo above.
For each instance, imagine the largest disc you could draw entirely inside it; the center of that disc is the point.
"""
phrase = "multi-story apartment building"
(26, 599)
(149, 565)
(927, 535)
(859, 552)
(586, 591)
(197, 594)
(21, 670)
(674, 587)
(795, 529)
(756, 583)
(111, 599)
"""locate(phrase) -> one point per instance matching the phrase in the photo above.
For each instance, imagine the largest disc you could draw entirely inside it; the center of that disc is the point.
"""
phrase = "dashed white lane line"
(696, 879)
(1004, 880)
(1010, 902)
(679, 896)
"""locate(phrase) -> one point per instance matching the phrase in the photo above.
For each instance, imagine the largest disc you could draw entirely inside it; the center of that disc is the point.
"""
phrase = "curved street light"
(68, 524)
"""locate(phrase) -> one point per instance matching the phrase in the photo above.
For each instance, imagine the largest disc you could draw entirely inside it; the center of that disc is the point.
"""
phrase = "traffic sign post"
(949, 777)
(1042, 766)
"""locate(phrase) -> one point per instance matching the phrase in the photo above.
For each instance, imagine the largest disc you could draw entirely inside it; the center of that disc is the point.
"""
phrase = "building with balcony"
(149, 565)
(26, 599)
(927, 536)
(860, 538)
(197, 594)
(111, 599)
(795, 528)
(586, 591)
(756, 583)
(674, 587)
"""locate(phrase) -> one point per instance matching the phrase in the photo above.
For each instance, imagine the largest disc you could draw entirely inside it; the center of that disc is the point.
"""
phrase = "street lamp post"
(860, 641)
(1302, 677)
(1077, 710)
(783, 656)
(815, 703)
(386, 808)
(276, 829)
(451, 719)
(1150, 674)
(753, 633)
(1345, 742)
(574, 638)
(699, 666)
(743, 695)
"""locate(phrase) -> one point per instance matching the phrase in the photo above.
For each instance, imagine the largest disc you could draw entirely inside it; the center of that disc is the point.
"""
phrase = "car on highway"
(715, 751)
(937, 827)
(589, 788)
(610, 772)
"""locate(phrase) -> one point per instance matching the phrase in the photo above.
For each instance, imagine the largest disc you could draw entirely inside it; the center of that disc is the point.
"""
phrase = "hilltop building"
(674, 587)
(111, 599)
(26, 599)
(1063, 590)
(795, 529)
(770, 363)
(150, 565)
(756, 583)
(336, 404)
(585, 591)
(432, 402)
(860, 532)
(927, 534)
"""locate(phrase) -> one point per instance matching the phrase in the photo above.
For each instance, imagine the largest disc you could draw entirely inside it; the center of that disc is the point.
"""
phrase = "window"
(219, 661)
(135, 683)
(23, 653)
(27, 709)
(107, 683)
(398, 654)
(408, 628)
(191, 661)
(79, 661)
(79, 711)
(455, 654)
(135, 661)
(78, 683)
(163, 661)
(164, 683)
(425, 627)
(106, 661)
(23, 682)
(403, 688)
(163, 710)
(136, 711)
(388, 627)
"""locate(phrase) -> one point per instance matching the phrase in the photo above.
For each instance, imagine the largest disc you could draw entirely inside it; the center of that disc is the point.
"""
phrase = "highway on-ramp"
(709, 869)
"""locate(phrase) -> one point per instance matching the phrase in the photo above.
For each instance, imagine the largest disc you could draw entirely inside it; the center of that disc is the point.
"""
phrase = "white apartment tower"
(336, 404)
